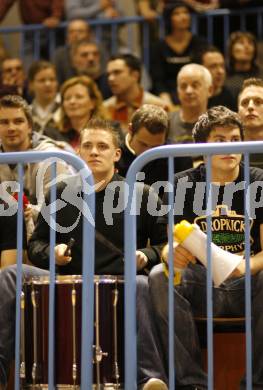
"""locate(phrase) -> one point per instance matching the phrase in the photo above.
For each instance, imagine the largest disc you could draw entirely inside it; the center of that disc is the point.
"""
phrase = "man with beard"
(86, 60)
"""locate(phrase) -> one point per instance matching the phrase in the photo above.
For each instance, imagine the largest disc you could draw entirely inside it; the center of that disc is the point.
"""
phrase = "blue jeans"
(190, 301)
(149, 355)
(150, 362)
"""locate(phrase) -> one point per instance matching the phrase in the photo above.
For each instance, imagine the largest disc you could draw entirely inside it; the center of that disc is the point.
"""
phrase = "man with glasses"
(13, 75)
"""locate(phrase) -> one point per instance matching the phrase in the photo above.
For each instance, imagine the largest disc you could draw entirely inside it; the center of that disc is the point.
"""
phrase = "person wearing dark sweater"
(108, 223)
(242, 59)
(178, 48)
(8, 237)
(148, 129)
(99, 147)
(212, 58)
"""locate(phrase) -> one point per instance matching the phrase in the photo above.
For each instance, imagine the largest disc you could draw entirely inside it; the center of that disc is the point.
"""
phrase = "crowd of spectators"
(83, 49)
(83, 80)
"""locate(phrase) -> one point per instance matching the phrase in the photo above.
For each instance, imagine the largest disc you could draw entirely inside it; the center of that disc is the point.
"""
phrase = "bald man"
(194, 87)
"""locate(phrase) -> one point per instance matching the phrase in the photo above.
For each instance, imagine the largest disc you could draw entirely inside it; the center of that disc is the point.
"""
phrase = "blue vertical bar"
(247, 275)
(36, 49)
(209, 287)
(98, 34)
(130, 290)
(88, 266)
(161, 28)
(130, 38)
(171, 277)
(51, 313)
(51, 42)
(19, 273)
(114, 38)
(194, 24)
(22, 46)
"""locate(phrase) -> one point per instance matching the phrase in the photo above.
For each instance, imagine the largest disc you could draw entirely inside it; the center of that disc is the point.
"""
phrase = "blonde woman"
(80, 101)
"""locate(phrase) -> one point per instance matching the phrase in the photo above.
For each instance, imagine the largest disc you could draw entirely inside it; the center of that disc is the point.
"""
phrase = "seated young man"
(99, 148)
(219, 124)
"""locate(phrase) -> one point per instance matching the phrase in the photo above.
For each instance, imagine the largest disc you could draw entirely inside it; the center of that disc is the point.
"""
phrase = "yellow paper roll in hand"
(192, 238)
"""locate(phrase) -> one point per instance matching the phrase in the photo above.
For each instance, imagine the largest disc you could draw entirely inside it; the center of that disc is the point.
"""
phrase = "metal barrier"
(130, 247)
(98, 25)
(21, 158)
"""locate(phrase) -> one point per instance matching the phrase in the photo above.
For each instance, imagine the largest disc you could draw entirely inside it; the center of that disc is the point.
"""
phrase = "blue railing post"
(19, 273)
(209, 285)
(247, 276)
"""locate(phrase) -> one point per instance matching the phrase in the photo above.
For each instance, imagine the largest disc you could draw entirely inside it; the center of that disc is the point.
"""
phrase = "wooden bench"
(229, 350)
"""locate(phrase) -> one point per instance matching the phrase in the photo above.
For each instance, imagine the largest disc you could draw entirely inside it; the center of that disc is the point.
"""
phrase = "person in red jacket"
(49, 13)
(46, 12)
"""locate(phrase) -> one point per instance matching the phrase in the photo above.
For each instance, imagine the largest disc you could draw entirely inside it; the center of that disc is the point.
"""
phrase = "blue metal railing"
(130, 247)
(21, 158)
(98, 25)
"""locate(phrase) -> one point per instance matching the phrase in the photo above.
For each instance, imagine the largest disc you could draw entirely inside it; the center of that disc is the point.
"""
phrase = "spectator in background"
(242, 52)
(150, 10)
(214, 61)
(148, 129)
(250, 109)
(77, 30)
(80, 100)
(3, 51)
(194, 86)
(179, 47)
(88, 9)
(43, 85)
(46, 12)
(124, 75)
(17, 135)
(85, 58)
(13, 75)
(202, 5)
